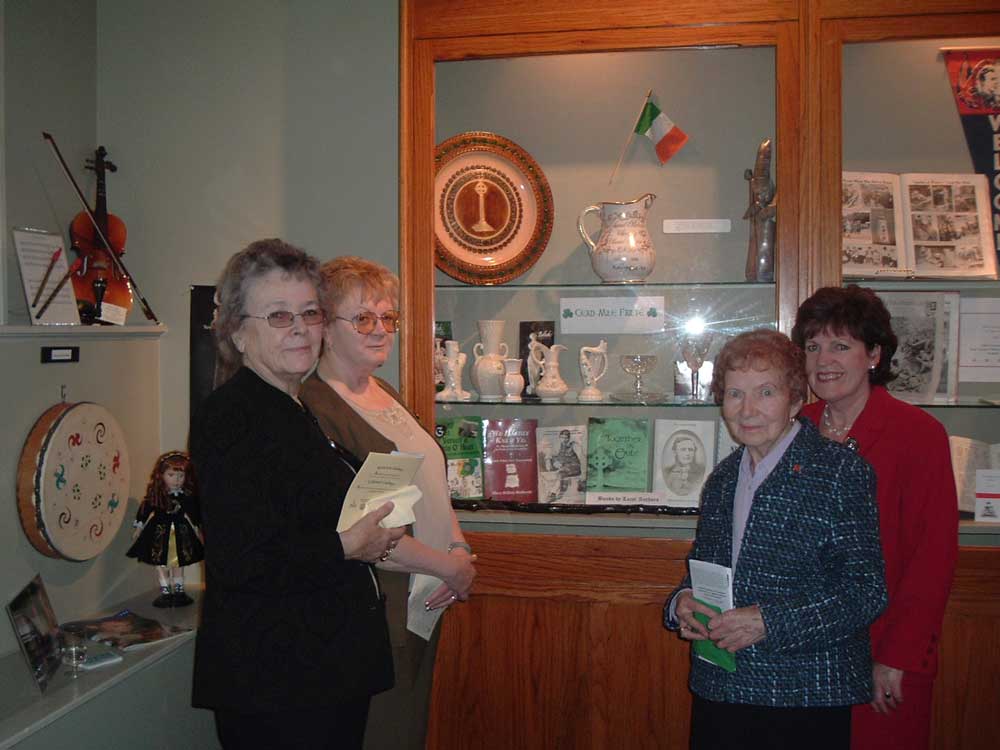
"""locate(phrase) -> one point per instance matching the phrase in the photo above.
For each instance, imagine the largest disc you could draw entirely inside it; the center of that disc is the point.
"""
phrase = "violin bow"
(119, 264)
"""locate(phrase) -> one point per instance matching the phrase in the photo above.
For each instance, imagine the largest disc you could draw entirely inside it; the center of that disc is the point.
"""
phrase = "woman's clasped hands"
(369, 542)
(732, 630)
(457, 583)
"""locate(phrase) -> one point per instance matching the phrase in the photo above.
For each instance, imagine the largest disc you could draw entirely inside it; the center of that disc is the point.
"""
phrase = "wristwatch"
(459, 545)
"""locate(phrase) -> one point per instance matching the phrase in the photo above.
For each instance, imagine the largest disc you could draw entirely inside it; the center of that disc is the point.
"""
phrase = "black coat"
(287, 623)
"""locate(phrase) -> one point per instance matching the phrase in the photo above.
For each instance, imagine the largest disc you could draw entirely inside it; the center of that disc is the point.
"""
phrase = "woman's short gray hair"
(243, 269)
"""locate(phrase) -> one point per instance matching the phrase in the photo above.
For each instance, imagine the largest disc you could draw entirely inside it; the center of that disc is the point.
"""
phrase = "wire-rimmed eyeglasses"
(286, 318)
(364, 322)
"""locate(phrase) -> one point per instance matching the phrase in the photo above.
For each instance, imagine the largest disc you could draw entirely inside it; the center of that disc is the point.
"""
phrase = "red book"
(510, 462)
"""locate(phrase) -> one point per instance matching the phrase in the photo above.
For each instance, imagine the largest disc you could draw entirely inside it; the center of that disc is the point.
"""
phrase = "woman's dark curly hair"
(855, 311)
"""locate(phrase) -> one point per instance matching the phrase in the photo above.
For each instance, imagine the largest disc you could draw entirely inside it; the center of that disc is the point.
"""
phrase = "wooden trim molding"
(447, 18)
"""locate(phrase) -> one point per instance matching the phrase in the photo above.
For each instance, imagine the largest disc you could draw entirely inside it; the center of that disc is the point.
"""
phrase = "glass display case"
(574, 116)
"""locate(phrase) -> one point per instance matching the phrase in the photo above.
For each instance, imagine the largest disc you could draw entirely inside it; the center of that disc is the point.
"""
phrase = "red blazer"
(918, 524)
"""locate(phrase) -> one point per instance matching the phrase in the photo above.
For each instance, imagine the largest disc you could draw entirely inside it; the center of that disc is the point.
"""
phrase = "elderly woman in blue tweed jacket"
(793, 514)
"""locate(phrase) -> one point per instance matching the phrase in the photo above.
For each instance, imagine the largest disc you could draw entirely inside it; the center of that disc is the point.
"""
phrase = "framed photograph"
(493, 209)
(926, 358)
(37, 630)
(683, 457)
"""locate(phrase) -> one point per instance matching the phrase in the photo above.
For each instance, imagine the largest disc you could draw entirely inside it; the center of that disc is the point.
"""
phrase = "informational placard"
(611, 315)
(988, 495)
(979, 345)
(45, 278)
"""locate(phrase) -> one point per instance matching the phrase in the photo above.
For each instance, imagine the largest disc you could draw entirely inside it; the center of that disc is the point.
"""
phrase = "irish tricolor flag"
(667, 138)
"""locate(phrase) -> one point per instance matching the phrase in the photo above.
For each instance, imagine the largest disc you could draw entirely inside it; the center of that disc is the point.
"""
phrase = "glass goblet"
(638, 365)
(694, 349)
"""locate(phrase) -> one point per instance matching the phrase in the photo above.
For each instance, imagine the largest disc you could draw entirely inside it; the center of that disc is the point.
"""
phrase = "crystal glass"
(638, 365)
(72, 651)
(694, 348)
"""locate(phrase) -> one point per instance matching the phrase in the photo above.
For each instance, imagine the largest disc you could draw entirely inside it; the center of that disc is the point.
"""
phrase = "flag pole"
(630, 136)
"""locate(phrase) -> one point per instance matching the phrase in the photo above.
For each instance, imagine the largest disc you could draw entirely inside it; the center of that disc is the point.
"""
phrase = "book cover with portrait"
(683, 457)
(461, 438)
(510, 463)
(562, 464)
(617, 454)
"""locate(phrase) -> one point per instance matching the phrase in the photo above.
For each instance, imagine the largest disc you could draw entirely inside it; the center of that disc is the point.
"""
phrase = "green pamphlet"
(707, 650)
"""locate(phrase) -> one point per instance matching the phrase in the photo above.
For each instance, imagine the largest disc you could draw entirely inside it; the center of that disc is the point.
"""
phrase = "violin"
(103, 293)
(103, 286)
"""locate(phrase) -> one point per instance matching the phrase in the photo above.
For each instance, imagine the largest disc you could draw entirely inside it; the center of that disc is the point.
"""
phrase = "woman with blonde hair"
(362, 413)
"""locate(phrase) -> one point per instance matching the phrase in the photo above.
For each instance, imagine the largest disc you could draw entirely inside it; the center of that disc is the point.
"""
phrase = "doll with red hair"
(166, 527)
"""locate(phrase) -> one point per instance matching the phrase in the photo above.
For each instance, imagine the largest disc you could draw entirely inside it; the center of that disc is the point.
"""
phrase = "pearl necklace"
(835, 431)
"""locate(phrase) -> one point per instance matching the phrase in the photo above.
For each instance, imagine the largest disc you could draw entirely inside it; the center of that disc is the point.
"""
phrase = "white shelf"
(77, 333)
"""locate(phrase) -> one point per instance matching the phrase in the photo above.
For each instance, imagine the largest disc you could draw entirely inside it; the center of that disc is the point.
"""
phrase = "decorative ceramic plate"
(493, 208)
(73, 480)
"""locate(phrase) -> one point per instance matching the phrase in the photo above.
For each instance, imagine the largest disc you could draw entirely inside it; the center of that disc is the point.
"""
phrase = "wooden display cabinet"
(561, 645)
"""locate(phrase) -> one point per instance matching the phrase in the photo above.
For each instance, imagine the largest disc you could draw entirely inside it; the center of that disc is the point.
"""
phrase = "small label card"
(624, 498)
(611, 315)
(696, 226)
(988, 495)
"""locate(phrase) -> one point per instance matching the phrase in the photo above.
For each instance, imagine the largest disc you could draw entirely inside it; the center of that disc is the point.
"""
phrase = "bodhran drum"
(73, 481)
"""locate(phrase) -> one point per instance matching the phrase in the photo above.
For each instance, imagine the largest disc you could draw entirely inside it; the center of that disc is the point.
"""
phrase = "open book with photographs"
(126, 631)
(916, 225)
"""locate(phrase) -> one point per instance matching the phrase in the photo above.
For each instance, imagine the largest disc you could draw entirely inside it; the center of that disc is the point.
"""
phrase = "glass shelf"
(967, 402)
(597, 286)
(922, 285)
(963, 402)
(680, 401)
(554, 509)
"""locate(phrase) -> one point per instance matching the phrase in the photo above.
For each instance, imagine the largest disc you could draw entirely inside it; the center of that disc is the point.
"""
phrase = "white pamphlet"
(712, 584)
(381, 478)
(419, 620)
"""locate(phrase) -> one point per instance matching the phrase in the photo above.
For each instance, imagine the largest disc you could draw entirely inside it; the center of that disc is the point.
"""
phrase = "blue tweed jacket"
(811, 560)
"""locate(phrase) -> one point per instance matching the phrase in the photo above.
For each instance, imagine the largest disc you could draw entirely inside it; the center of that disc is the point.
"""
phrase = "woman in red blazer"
(849, 343)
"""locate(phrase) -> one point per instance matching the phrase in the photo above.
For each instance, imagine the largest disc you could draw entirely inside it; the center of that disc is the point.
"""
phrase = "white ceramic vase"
(513, 381)
(488, 366)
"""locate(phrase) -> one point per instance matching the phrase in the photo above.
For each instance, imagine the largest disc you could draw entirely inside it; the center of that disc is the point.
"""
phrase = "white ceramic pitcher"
(623, 253)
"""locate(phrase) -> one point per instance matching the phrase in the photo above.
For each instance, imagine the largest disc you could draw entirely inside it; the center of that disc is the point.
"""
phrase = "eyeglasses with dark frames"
(364, 322)
(286, 318)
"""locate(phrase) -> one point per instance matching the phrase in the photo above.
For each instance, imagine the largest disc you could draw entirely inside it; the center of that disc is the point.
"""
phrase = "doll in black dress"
(166, 527)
